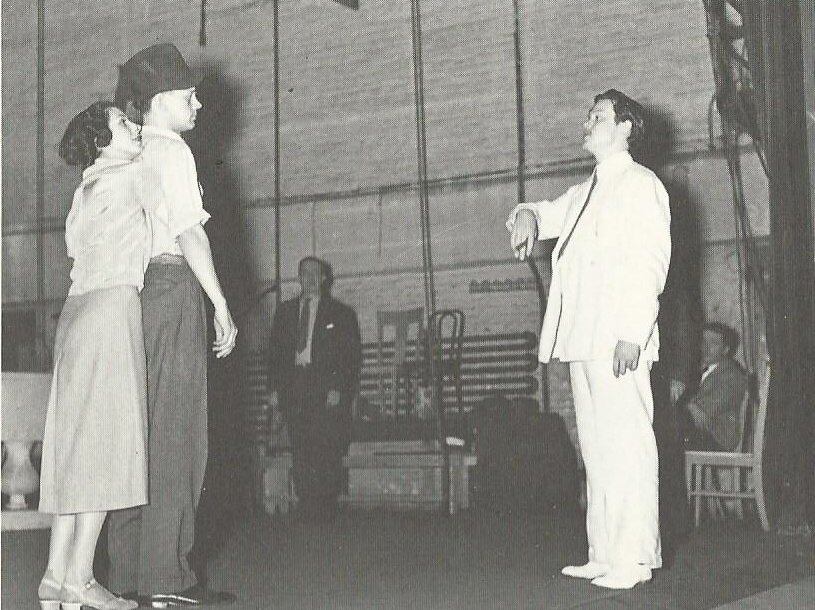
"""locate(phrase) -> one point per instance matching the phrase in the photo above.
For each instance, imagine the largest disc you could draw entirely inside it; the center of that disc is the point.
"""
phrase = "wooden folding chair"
(700, 465)
(400, 371)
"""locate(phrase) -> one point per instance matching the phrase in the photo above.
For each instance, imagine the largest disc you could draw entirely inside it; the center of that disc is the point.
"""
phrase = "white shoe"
(589, 571)
(623, 577)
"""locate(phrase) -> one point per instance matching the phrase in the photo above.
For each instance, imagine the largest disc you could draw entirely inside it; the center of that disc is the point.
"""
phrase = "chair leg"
(394, 394)
(410, 397)
(758, 486)
(697, 487)
(721, 483)
(457, 381)
(707, 475)
(718, 505)
(738, 503)
(688, 478)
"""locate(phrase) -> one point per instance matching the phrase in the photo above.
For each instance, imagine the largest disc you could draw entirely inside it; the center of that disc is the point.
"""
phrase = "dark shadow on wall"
(227, 494)
(680, 325)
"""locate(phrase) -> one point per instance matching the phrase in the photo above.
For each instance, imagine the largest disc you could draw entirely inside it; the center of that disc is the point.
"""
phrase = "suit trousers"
(615, 430)
(318, 437)
(148, 545)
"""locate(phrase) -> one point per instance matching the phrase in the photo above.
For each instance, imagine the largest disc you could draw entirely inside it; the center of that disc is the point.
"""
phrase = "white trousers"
(615, 429)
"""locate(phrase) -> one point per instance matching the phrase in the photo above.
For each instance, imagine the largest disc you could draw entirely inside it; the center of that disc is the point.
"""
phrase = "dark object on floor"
(197, 595)
(526, 460)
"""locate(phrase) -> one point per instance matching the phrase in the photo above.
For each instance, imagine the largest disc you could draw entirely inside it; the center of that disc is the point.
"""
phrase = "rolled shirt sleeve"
(181, 190)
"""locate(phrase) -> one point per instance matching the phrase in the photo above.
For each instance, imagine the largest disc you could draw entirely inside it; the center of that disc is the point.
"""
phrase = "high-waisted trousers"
(148, 546)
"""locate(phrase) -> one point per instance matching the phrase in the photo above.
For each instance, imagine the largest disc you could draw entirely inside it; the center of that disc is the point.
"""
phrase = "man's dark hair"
(85, 134)
(135, 109)
(309, 259)
(128, 101)
(626, 109)
(728, 334)
(325, 269)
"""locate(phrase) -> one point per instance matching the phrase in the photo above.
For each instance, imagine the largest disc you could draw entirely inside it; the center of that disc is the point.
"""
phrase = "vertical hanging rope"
(276, 63)
(730, 108)
(421, 146)
(202, 33)
(40, 147)
(521, 135)
(519, 106)
(427, 260)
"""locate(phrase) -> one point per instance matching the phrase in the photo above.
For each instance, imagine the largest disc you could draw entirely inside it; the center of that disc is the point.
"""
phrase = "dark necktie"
(583, 209)
(302, 326)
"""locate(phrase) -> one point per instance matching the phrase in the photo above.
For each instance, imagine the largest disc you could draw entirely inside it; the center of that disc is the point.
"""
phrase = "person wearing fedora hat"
(148, 545)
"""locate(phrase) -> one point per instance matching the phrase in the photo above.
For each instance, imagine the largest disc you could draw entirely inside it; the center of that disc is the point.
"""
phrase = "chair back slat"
(761, 415)
(401, 321)
(447, 351)
(741, 424)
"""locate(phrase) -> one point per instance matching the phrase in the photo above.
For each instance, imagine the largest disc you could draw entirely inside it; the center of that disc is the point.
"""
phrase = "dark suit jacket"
(335, 350)
(720, 396)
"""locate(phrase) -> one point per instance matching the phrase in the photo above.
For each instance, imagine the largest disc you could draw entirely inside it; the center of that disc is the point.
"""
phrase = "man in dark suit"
(313, 377)
(712, 412)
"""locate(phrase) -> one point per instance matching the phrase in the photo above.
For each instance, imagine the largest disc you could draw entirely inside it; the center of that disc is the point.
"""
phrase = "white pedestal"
(13, 520)
(25, 401)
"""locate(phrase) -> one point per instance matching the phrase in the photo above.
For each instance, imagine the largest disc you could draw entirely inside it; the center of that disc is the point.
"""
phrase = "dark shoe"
(197, 595)
(142, 600)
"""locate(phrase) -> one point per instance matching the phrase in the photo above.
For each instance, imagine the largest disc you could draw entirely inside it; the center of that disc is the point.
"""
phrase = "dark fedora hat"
(153, 70)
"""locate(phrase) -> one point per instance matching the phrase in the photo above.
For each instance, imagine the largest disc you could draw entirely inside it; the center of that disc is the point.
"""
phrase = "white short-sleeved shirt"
(172, 193)
(106, 232)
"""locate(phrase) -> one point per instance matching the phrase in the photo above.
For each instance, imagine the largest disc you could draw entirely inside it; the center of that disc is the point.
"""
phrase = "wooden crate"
(405, 475)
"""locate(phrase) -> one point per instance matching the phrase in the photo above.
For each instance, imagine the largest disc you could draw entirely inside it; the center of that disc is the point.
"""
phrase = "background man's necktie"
(302, 326)
(583, 209)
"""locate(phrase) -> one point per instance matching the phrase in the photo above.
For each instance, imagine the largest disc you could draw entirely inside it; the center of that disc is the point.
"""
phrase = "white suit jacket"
(606, 284)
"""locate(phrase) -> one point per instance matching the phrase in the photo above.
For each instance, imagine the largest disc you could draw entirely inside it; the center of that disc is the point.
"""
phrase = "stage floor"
(382, 560)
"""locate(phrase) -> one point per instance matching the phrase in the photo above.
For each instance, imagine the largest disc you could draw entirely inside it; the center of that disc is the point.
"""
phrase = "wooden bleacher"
(492, 364)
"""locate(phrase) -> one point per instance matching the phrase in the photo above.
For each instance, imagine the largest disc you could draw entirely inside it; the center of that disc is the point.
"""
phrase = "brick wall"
(346, 82)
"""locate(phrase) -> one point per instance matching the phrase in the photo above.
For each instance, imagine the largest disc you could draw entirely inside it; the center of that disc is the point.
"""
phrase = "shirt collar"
(161, 131)
(712, 365)
(102, 164)
(613, 164)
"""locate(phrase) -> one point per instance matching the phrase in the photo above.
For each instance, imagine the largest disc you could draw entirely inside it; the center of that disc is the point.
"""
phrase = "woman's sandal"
(48, 593)
(93, 596)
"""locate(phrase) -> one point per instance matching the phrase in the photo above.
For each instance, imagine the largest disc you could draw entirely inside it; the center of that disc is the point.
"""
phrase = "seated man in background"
(711, 414)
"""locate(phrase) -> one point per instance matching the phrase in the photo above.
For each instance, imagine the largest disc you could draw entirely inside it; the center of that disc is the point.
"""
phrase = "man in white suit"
(608, 269)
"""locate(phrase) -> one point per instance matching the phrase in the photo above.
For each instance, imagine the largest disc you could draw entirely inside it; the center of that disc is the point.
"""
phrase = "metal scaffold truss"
(734, 99)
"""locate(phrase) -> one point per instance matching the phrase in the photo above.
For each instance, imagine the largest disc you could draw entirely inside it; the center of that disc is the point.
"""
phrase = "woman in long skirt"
(94, 457)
